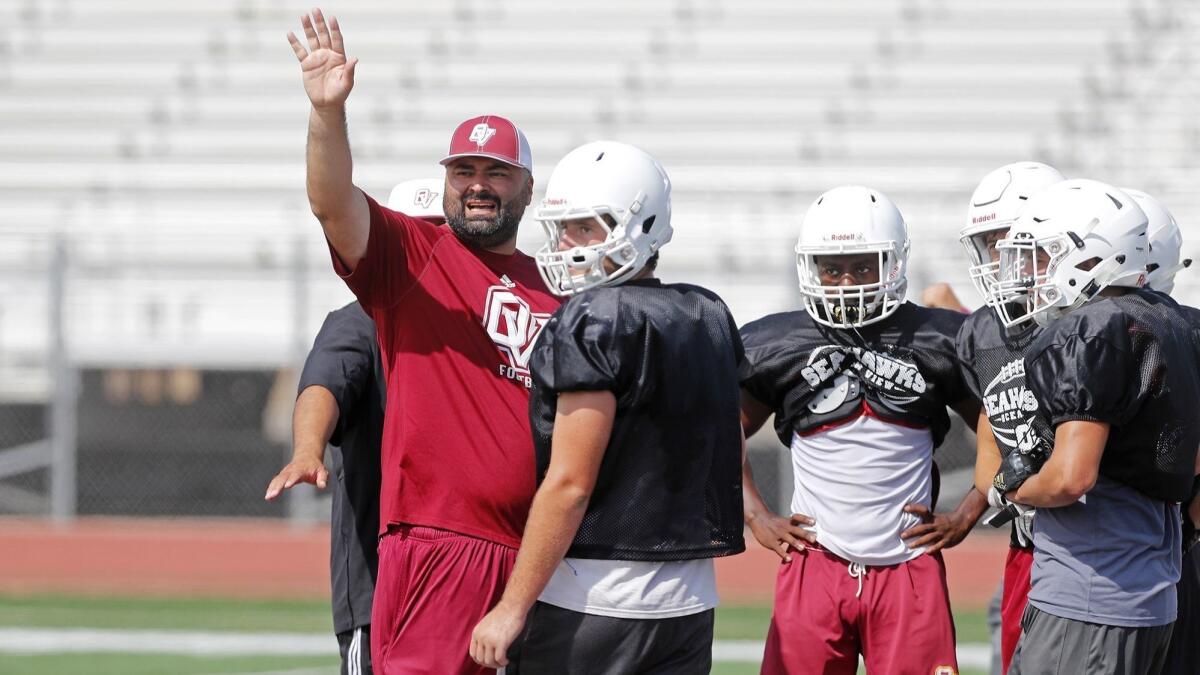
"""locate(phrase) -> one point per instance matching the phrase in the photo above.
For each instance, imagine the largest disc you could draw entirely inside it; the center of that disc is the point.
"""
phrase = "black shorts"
(355, 647)
(557, 640)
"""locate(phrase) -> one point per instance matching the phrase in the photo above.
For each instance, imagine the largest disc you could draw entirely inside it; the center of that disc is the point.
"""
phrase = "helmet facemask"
(1025, 286)
(1037, 280)
(852, 306)
(582, 265)
(984, 270)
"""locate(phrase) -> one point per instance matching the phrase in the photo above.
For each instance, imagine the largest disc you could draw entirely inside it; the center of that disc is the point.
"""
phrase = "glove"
(1020, 515)
(1016, 468)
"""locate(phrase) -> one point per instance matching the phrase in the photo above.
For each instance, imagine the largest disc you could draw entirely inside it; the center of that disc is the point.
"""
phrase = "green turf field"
(733, 622)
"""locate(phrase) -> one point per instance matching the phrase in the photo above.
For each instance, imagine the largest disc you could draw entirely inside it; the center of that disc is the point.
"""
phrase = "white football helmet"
(852, 220)
(419, 198)
(1165, 239)
(604, 178)
(995, 204)
(1072, 240)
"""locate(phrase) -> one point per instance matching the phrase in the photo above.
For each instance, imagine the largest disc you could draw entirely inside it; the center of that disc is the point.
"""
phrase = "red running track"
(274, 559)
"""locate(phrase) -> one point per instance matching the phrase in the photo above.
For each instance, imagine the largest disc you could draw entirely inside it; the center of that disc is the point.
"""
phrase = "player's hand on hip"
(302, 469)
(328, 74)
(494, 634)
(779, 534)
(935, 531)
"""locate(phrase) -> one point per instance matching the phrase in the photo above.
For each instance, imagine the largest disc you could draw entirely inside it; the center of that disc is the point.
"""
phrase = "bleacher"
(164, 142)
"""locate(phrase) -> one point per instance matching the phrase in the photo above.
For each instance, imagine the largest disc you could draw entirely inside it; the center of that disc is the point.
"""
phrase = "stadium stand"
(162, 143)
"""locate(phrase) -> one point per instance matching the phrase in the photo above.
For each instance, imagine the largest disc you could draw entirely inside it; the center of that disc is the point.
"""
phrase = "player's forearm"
(1073, 467)
(1047, 489)
(987, 456)
(753, 505)
(336, 202)
(313, 421)
(972, 506)
(554, 518)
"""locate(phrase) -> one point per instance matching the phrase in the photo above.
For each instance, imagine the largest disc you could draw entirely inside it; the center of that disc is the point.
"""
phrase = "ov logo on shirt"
(514, 327)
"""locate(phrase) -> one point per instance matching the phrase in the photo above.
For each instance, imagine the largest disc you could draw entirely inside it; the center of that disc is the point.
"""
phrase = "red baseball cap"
(490, 136)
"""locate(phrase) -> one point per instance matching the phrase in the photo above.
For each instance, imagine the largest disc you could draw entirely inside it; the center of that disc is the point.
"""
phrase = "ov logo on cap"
(504, 141)
(481, 134)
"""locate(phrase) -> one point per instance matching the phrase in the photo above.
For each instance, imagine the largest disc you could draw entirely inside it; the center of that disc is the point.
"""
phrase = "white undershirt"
(855, 479)
(633, 589)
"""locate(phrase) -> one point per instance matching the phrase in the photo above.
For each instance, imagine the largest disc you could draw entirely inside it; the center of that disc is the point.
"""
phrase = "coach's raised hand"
(328, 79)
(328, 74)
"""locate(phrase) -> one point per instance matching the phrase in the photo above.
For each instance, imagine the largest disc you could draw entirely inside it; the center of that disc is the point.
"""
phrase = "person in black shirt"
(634, 413)
(1165, 259)
(991, 357)
(340, 404)
(1114, 371)
(859, 382)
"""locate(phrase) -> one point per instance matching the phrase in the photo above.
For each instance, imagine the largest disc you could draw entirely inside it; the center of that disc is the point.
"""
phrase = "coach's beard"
(484, 232)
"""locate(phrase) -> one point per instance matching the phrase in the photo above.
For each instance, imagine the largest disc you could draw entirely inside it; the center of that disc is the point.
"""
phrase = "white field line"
(196, 643)
(293, 671)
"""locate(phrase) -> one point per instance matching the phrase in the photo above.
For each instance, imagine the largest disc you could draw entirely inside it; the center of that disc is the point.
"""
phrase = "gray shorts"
(558, 640)
(1052, 645)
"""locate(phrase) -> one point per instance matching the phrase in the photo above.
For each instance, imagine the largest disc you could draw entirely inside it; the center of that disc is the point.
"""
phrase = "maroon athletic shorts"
(828, 611)
(1013, 600)
(432, 588)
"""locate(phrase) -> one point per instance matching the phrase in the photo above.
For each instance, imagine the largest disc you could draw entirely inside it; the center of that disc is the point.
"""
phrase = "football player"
(635, 422)
(1166, 242)
(991, 357)
(1107, 534)
(859, 382)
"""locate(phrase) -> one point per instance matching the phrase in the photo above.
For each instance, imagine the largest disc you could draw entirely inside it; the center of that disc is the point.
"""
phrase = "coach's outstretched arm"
(328, 78)
(313, 421)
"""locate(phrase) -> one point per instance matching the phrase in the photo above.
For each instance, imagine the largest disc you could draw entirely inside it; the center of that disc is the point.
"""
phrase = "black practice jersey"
(1132, 361)
(902, 369)
(992, 359)
(345, 360)
(1189, 529)
(669, 486)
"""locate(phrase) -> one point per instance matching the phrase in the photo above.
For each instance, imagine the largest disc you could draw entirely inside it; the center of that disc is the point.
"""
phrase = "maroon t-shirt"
(456, 329)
